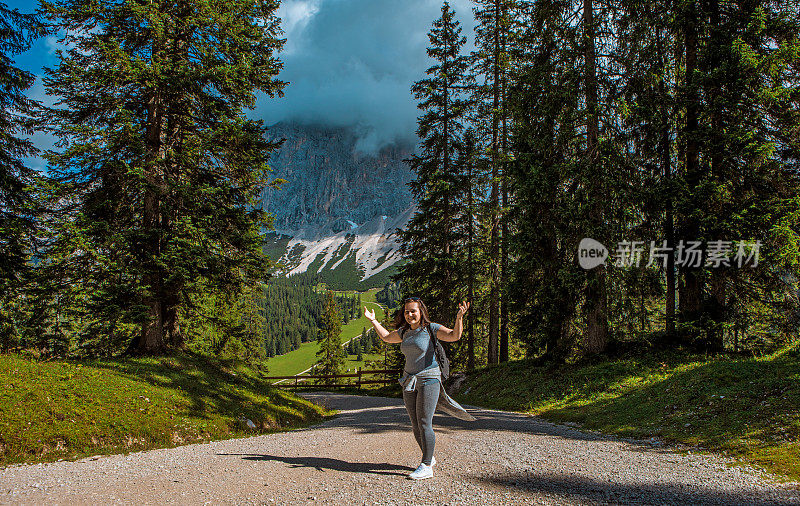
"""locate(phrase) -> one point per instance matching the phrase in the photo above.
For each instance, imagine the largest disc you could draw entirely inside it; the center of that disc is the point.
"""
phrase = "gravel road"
(363, 456)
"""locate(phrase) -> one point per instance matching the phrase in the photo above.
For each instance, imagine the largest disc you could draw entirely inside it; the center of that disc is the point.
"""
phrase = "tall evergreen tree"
(595, 294)
(431, 246)
(468, 162)
(491, 61)
(678, 120)
(19, 202)
(330, 356)
(691, 288)
(556, 101)
(160, 167)
(740, 164)
(647, 98)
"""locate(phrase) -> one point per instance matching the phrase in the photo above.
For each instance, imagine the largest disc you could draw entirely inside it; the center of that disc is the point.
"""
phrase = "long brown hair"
(400, 322)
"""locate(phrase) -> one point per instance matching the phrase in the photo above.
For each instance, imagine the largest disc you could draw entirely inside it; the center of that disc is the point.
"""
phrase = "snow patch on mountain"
(374, 244)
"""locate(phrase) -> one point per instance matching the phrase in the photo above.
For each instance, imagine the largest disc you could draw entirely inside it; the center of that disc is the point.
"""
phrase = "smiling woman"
(423, 392)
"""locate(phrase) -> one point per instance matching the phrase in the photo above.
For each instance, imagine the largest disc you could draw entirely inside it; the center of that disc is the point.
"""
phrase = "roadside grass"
(748, 408)
(51, 410)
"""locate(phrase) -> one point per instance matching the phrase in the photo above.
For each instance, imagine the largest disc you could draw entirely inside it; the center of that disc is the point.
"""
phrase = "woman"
(422, 387)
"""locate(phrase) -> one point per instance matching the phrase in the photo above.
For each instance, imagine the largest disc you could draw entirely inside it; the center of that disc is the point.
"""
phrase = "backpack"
(441, 358)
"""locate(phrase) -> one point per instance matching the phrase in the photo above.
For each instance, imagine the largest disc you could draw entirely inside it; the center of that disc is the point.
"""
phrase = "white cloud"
(52, 44)
(295, 15)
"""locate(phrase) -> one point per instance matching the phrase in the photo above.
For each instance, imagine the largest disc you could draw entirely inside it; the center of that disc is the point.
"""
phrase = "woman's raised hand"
(370, 314)
(462, 308)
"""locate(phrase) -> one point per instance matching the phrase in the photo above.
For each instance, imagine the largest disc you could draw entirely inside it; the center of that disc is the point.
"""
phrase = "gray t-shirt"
(417, 348)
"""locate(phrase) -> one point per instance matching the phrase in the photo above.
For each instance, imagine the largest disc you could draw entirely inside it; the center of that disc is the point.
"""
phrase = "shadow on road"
(371, 415)
(590, 490)
(322, 463)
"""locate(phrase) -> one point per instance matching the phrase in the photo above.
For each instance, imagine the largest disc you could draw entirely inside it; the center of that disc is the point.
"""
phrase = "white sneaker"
(433, 461)
(422, 472)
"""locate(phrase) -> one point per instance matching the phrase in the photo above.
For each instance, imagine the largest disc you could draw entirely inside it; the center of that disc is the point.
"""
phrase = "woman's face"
(412, 313)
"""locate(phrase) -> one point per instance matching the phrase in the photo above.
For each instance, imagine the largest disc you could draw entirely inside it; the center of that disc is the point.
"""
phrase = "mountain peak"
(338, 199)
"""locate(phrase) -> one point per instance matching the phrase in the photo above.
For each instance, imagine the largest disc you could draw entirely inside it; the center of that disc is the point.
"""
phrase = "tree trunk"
(171, 292)
(669, 227)
(152, 334)
(716, 336)
(691, 290)
(446, 173)
(595, 290)
(494, 248)
(470, 271)
(504, 338)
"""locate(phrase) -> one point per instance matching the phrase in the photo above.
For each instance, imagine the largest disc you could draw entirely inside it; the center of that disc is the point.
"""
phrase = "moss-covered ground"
(52, 410)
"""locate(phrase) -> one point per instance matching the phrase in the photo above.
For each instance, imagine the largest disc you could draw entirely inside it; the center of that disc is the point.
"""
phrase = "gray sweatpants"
(420, 405)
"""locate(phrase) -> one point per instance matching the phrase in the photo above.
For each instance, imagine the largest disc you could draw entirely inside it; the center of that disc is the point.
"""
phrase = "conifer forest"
(596, 176)
(666, 131)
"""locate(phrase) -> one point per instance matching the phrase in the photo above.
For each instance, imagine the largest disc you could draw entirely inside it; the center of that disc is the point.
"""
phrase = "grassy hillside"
(304, 357)
(275, 245)
(66, 410)
(743, 407)
(295, 361)
(347, 275)
(351, 364)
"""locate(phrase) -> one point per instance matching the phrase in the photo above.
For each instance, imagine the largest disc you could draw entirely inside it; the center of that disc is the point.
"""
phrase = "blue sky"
(349, 62)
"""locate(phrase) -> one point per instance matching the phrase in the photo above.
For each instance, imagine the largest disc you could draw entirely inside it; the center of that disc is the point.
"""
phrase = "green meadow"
(304, 357)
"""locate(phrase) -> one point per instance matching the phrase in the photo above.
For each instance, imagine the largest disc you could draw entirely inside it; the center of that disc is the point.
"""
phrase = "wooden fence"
(302, 381)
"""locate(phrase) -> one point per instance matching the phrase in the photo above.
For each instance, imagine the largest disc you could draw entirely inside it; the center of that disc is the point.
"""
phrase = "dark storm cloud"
(354, 61)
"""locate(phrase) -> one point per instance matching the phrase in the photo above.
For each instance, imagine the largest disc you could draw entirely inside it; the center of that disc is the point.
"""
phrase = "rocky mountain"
(339, 209)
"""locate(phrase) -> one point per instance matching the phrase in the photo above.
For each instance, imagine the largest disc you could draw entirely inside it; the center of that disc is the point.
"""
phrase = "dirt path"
(363, 456)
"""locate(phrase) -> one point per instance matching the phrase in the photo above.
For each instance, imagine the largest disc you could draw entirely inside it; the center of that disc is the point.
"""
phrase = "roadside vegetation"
(56, 409)
(744, 407)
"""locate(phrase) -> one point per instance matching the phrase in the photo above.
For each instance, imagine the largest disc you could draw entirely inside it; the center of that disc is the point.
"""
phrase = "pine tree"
(393, 356)
(740, 164)
(330, 357)
(430, 244)
(491, 60)
(648, 122)
(161, 169)
(467, 161)
(358, 350)
(374, 340)
(546, 107)
(20, 204)
(595, 293)
(685, 132)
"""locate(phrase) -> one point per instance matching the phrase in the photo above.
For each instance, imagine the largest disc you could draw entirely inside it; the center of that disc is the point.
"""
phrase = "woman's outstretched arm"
(385, 335)
(454, 334)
